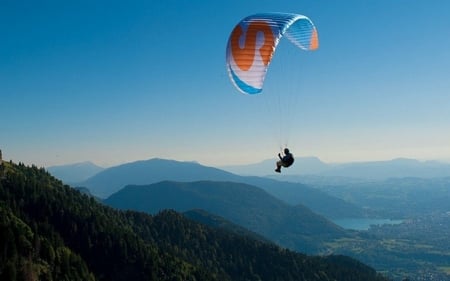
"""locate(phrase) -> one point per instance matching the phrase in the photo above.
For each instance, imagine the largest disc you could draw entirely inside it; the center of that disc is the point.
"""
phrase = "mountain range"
(374, 170)
(395, 196)
(304, 166)
(156, 170)
(50, 231)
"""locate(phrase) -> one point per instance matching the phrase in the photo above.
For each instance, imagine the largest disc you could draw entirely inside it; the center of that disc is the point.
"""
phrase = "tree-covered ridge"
(100, 235)
(50, 231)
(27, 255)
(297, 228)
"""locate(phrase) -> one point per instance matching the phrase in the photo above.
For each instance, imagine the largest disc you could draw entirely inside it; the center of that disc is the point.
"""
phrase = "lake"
(363, 224)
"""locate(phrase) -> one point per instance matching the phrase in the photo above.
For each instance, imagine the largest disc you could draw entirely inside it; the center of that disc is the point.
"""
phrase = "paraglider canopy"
(253, 41)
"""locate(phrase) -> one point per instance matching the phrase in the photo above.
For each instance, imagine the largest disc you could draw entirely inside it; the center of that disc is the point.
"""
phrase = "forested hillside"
(50, 231)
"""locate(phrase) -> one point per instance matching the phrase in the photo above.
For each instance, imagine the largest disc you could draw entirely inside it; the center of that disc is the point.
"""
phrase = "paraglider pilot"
(285, 161)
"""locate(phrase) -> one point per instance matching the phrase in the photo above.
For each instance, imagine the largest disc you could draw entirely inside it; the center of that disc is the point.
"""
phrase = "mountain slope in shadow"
(246, 205)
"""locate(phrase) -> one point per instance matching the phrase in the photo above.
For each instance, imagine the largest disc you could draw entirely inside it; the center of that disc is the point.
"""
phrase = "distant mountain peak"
(76, 164)
(302, 165)
(151, 171)
(75, 172)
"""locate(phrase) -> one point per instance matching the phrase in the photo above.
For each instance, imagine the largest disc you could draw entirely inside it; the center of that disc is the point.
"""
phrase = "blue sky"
(114, 82)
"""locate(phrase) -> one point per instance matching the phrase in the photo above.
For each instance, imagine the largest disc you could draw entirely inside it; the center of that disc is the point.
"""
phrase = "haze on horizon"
(112, 84)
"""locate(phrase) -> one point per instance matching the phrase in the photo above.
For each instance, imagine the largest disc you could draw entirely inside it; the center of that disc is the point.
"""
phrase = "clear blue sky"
(119, 81)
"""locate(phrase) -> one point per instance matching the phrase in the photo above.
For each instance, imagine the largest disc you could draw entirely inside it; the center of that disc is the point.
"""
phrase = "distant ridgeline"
(49, 231)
